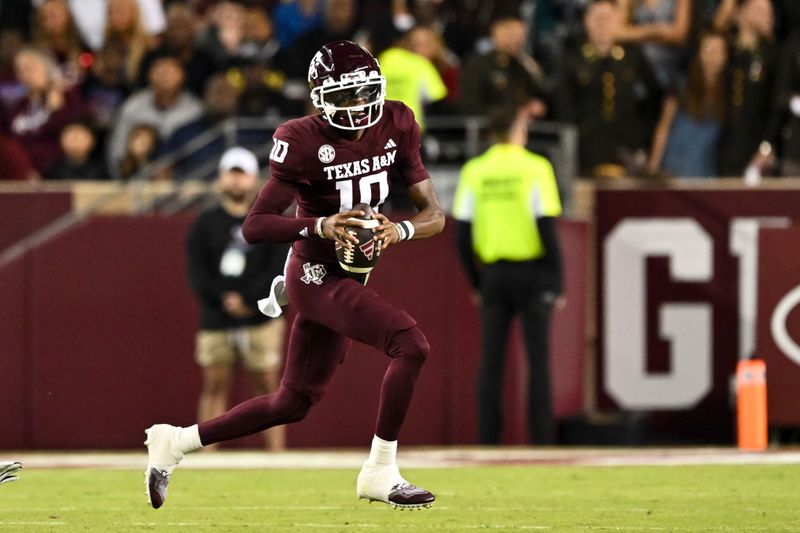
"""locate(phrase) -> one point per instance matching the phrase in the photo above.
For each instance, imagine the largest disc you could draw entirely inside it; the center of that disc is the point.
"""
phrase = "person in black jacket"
(229, 276)
(749, 86)
(504, 76)
(610, 92)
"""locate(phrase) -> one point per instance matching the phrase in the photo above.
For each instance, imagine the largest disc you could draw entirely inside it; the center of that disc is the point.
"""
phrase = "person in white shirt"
(90, 17)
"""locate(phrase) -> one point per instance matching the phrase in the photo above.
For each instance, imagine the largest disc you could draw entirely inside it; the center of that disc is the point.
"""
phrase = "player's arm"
(266, 222)
(426, 223)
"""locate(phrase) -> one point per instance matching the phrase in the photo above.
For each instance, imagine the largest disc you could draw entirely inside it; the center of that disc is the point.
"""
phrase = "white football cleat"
(383, 483)
(163, 455)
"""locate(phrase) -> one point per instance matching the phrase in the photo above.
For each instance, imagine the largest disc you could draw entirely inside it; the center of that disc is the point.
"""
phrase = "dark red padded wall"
(14, 357)
(23, 213)
(114, 329)
(108, 349)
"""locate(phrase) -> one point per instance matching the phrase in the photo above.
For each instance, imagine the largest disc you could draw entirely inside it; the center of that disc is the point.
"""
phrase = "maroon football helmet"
(346, 85)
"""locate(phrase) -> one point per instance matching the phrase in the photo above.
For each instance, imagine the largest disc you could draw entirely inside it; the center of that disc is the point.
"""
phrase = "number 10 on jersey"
(365, 183)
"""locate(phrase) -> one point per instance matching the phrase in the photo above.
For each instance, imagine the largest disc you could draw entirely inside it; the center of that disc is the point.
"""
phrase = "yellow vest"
(501, 193)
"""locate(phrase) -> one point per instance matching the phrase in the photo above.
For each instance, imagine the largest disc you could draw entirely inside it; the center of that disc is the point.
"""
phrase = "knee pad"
(409, 344)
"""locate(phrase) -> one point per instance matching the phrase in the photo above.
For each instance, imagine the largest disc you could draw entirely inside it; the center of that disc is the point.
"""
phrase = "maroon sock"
(408, 350)
(282, 407)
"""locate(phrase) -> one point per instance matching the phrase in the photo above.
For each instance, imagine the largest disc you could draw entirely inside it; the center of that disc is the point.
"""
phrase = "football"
(359, 261)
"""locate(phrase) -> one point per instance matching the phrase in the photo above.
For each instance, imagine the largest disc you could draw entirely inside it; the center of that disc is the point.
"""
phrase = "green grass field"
(535, 498)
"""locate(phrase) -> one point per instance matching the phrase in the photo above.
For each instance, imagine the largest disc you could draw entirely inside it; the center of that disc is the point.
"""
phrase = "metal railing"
(448, 142)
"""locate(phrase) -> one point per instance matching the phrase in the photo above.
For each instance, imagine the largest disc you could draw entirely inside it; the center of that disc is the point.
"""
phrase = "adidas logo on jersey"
(389, 145)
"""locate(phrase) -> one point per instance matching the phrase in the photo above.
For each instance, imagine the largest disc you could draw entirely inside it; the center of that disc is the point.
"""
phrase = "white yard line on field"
(30, 523)
(420, 458)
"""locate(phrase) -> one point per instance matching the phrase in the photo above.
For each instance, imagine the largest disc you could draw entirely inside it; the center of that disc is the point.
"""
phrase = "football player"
(328, 163)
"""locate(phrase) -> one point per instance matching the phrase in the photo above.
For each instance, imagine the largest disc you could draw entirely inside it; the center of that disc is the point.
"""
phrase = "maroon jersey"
(326, 173)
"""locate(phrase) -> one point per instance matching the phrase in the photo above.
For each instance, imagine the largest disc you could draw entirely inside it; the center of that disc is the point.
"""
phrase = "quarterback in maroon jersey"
(328, 163)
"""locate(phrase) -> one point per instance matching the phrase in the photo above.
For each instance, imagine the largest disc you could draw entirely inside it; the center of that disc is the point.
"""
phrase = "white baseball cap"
(239, 158)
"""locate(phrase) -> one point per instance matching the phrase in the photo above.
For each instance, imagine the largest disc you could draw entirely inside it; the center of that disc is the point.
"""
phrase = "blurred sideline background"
(670, 280)
(668, 286)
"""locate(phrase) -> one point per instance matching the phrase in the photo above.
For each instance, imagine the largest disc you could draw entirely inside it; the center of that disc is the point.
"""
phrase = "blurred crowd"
(98, 89)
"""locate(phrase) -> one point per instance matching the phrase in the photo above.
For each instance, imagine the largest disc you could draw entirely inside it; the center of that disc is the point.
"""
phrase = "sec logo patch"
(326, 153)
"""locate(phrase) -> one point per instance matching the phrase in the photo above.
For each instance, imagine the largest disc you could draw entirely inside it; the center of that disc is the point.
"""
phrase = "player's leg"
(361, 314)
(314, 352)
(262, 354)
(536, 329)
(380, 478)
(496, 315)
(215, 353)
(266, 382)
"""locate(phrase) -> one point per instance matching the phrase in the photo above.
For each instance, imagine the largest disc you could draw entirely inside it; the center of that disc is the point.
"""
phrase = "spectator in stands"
(15, 161)
(465, 25)
(93, 20)
(384, 23)
(557, 25)
(609, 91)
(199, 162)
(179, 41)
(411, 78)
(228, 276)
(55, 33)
(504, 76)
(788, 16)
(259, 74)
(37, 120)
(428, 43)
(724, 15)
(77, 163)
(749, 85)
(260, 44)
(124, 29)
(662, 28)
(12, 91)
(296, 17)
(686, 139)
(15, 17)
(225, 34)
(105, 89)
(164, 104)
(780, 150)
(338, 24)
(141, 148)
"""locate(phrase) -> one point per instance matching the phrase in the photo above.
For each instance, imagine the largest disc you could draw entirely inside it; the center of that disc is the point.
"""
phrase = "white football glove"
(8, 470)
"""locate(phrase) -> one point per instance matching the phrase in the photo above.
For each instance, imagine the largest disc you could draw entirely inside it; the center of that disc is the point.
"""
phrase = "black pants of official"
(510, 289)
